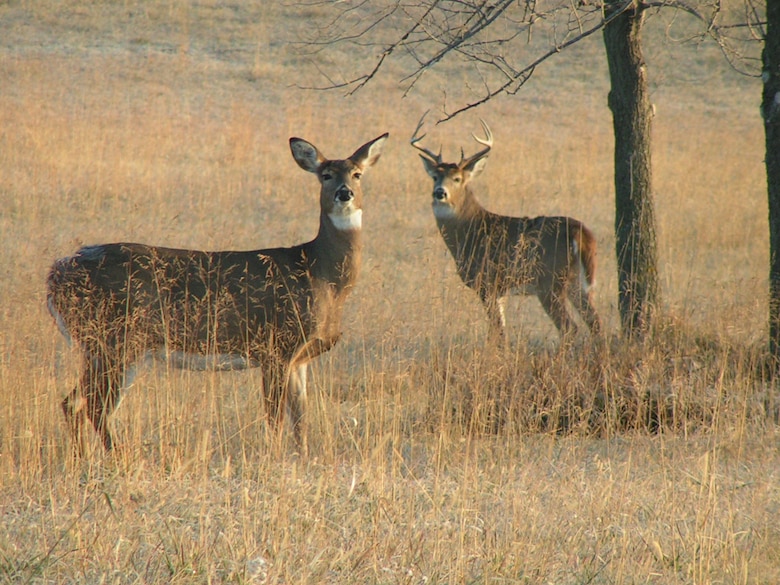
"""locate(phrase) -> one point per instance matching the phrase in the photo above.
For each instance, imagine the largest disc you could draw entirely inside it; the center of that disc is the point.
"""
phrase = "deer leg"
(273, 391)
(94, 398)
(582, 300)
(495, 307)
(100, 388)
(296, 385)
(75, 417)
(554, 303)
(296, 401)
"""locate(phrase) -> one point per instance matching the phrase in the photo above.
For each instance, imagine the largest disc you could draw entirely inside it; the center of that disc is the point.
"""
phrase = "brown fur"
(498, 255)
(276, 309)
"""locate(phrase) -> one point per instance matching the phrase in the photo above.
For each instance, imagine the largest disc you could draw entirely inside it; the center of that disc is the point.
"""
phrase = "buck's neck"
(467, 212)
(466, 219)
(335, 252)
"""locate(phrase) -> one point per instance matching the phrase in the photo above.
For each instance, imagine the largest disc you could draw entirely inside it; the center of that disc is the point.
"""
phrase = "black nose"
(344, 194)
(439, 194)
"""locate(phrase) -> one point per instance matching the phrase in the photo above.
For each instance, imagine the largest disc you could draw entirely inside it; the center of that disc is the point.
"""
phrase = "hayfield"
(432, 459)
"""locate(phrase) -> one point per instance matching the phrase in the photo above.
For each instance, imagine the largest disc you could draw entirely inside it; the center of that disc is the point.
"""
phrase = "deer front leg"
(296, 385)
(495, 307)
(296, 402)
(274, 390)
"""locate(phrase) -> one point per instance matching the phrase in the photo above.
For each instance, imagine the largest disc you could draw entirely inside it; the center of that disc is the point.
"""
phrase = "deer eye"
(457, 179)
(326, 176)
(357, 175)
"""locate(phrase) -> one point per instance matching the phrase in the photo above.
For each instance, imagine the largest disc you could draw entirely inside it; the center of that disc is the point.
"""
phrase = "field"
(432, 458)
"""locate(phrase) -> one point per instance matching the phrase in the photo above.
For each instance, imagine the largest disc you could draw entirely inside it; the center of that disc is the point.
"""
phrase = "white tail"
(550, 257)
(275, 309)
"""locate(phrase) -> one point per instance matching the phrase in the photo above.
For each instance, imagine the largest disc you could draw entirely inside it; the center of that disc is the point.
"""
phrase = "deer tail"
(56, 282)
(584, 245)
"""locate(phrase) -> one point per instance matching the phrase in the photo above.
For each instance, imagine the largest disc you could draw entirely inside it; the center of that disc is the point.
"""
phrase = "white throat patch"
(443, 211)
(351, 221)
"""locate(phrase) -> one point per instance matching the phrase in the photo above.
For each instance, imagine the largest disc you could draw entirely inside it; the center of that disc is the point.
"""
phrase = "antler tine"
(487, 141)
(415, 139)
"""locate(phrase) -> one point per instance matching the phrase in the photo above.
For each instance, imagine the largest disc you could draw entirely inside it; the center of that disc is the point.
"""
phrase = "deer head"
(341, 196)
(451, 179)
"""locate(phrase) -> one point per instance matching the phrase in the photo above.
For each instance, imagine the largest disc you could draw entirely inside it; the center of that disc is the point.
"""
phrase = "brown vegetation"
(432, 459)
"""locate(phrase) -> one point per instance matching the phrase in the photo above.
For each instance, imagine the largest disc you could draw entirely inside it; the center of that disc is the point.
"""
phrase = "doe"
(275, 309)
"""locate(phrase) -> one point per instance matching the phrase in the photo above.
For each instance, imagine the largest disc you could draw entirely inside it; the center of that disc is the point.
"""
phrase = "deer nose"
(344, 194)
(439, 193)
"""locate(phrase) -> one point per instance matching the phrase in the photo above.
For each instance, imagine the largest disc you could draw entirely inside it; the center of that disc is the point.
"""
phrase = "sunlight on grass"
(434, 459)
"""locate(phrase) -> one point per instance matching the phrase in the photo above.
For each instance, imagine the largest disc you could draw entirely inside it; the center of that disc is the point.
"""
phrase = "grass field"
(432, 460)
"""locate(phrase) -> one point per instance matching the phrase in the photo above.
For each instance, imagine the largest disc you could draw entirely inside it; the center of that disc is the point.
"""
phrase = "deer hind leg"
(582, 299)
(554, 302)
(100, 387)
(94, 398)
(75, 417)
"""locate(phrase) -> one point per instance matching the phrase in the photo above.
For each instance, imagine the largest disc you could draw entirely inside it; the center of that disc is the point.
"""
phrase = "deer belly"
(220, 362)
(524, 289)
(182, 360)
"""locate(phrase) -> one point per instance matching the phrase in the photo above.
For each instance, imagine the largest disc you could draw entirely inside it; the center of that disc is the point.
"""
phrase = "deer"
(275, 309)
(553, 258)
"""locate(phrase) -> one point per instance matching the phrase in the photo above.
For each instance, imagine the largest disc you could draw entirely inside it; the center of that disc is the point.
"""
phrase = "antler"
(487, 141)
(415, 139)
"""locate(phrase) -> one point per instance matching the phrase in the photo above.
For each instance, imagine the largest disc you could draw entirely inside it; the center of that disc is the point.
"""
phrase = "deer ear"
(368, 154)
(476, 167)
(430, 166)
(306, 155)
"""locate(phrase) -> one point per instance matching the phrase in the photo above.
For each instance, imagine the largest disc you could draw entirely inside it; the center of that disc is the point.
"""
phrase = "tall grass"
(433, 458)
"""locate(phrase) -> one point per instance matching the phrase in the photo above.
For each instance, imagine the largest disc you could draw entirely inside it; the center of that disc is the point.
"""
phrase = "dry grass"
(433, 460)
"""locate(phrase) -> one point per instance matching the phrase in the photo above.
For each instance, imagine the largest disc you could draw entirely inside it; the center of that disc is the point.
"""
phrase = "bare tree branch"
(524, 74)
(485, 34)
(481, 24)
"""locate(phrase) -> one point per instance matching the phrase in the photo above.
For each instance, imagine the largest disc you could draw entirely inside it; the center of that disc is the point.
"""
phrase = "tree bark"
(635, 235)
(770, 111)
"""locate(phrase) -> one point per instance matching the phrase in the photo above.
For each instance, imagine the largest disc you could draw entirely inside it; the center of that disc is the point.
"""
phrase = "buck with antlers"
(550, 257)
(276, 309)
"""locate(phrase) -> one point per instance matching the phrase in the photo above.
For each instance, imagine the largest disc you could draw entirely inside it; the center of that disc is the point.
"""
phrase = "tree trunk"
(635, 237)
(770, 111)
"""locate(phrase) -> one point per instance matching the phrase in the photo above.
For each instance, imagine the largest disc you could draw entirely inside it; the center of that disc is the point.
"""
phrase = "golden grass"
(433, 460)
